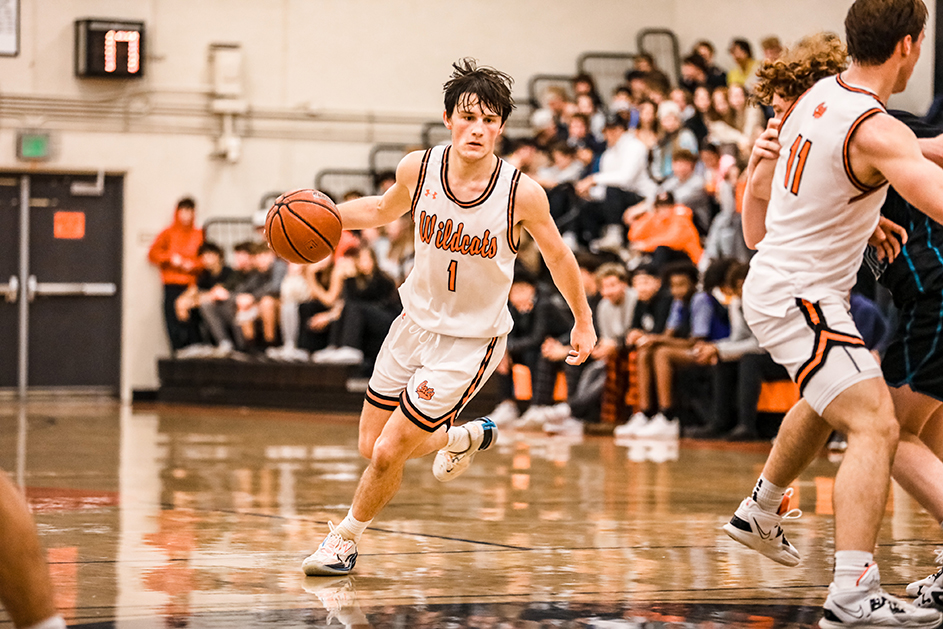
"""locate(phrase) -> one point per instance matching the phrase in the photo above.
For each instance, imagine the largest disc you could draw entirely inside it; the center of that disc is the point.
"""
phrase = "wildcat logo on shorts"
(424, 391)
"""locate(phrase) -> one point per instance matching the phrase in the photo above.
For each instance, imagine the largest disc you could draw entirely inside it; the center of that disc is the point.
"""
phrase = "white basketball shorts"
(819, 346)
(431, 377)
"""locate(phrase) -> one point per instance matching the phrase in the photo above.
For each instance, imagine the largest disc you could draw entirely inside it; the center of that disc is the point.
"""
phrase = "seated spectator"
(522, 154)
(174, 252)
(212, 285)
(623, 104)
(593, 397)
(585, 84)
(325, 281)
(698, 122)
(684, 100)
(674, 137)
(586, 106)
(688, 189)
(650, 314)
(645, 63)
(648, 129)
(530, 316)
(545, 129)
(725, 237)
(620, 182)
(748, 119)
(257, 300)
(665, 231)
(293, 292)
(693, 72)
(715, 76)
(397, 253)
(579, 135)
(370, 305)
(721, 124)
(744, 69)
(557, 179)
(772, 48)
(694, 316)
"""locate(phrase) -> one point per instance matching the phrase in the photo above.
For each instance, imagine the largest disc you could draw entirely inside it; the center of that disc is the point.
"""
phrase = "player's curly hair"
(800, 67)
(491, 87)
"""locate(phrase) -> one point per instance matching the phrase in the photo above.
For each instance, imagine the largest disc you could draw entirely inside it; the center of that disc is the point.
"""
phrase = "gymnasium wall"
(323, 80)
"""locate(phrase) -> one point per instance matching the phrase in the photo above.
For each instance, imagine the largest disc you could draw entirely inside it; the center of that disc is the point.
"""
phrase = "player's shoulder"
(882, 133)
(408, 169)
(530, 196)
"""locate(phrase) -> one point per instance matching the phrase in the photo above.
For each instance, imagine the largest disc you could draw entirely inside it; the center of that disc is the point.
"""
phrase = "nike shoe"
(450, 465)
(866, 605)
(335, 556)
(660, 427)
(760, 530)
(916, 588)
(929, 591)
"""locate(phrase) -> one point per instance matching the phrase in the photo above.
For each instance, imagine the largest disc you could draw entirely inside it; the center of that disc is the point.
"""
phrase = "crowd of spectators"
(646, 188)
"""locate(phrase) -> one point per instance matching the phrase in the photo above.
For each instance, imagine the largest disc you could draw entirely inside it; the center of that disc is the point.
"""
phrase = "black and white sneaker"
(928, 591)
(760, 530)
(867, 606)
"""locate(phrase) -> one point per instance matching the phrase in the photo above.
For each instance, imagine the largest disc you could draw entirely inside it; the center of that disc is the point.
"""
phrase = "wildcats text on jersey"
(448, 237)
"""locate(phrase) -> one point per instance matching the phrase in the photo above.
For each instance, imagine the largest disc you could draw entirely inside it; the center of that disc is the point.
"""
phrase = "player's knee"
(386, 456)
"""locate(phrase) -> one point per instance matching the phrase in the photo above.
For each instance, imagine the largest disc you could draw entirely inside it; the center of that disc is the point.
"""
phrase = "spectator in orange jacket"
(174, 251)
(666, 231)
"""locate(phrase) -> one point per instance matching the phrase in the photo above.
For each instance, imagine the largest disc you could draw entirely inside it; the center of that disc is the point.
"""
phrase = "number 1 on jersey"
(801, 149)
(453, 271)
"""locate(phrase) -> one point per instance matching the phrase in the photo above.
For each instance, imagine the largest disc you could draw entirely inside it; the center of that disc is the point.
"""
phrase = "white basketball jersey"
(820, 216)
(465, 252)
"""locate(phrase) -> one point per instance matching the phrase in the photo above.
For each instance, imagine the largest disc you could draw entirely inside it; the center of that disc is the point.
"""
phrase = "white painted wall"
(324, 80)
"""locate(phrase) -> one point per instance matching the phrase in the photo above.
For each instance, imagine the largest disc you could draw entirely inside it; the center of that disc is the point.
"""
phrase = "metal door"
(68, 306)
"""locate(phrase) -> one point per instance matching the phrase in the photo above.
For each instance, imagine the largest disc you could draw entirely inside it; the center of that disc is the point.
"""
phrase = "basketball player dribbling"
(839, 149)
(469, 207)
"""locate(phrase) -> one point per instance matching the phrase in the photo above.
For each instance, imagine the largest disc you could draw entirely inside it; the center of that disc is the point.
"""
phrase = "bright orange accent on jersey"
(792, 156)
(819, 111)
(845, 157)
(803, 156)
(424, 391)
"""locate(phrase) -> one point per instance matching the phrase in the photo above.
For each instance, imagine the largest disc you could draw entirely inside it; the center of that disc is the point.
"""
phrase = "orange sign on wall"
(68, 225)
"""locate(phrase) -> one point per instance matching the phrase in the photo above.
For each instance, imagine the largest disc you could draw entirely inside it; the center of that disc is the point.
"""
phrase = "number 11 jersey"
(820, 215)
(465, 252)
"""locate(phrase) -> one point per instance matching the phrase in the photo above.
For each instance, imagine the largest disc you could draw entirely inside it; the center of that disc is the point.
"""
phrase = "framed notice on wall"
(9, 28)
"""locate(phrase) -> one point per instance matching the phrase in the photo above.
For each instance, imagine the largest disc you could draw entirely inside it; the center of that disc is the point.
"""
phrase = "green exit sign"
(33, 145)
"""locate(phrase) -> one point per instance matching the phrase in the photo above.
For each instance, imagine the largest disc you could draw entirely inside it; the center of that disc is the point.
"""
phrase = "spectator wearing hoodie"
(174, 252)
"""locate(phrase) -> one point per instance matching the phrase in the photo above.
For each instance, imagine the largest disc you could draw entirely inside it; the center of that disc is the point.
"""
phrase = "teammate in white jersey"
(469, 207)
(838, 381)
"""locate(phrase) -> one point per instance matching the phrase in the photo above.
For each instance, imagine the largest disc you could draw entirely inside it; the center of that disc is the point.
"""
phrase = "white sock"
(849, 564)
(767, 495)
(351, 528)
(55, 622)
(459, 439)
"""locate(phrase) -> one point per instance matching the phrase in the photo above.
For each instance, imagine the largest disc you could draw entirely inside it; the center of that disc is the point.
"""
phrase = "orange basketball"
(303, 226)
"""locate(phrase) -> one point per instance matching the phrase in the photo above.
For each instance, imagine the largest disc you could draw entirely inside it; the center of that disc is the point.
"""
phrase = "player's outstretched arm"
(883, 146)
(533, 214)
(374, 211)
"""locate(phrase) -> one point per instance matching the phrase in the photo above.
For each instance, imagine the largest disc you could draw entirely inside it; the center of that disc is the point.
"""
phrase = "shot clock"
(109, 48)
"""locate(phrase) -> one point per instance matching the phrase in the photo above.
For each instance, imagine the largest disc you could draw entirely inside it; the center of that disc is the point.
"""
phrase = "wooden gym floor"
(169, 516)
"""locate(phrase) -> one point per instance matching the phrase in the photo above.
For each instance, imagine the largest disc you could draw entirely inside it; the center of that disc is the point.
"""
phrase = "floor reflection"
(173, 517)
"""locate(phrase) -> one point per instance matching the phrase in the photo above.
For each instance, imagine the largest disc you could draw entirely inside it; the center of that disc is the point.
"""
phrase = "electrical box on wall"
(33, 145)
(109, 48)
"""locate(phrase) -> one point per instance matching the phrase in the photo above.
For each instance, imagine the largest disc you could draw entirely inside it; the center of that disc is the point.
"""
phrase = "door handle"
(11, 290)
(62, 289)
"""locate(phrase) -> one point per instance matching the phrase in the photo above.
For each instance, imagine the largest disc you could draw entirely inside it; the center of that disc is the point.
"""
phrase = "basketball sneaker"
(631, 427)
(929, 591)
(760, 530)
(335, 556)
(450, 465)
(867, 605)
